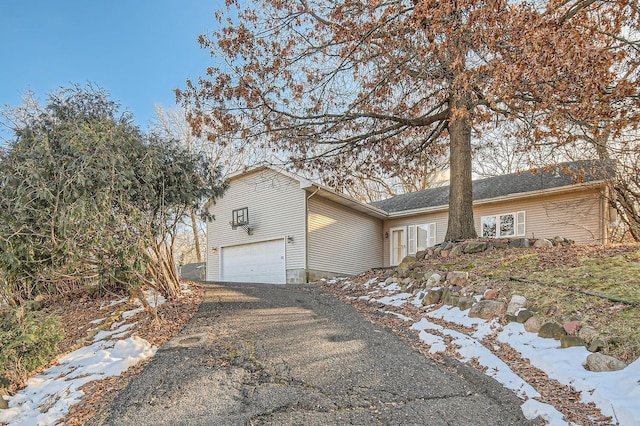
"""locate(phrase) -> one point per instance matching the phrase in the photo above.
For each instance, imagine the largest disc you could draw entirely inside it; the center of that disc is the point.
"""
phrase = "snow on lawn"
(616, 394)
(47, 397)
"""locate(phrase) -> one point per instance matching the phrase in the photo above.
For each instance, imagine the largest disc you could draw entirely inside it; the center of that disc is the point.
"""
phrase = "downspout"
(306, 234)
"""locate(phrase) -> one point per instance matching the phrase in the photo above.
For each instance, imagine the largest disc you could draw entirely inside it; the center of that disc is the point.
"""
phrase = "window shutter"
(413, 239)
(431, 235)
(520, 228)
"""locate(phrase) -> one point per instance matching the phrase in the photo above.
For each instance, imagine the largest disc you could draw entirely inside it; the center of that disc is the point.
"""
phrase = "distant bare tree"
(508, 148)
(172, 124)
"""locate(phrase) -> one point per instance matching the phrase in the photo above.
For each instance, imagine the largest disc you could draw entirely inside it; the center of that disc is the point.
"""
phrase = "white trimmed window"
(419, 237)
(504, 225)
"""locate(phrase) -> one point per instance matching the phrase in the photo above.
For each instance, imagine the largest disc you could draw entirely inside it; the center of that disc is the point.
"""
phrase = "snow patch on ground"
(367, 285)
(616, 394)
(402, 317)
(395, 299)
(47, 397)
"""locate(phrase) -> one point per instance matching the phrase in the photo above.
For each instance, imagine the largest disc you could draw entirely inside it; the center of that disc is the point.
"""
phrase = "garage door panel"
(262, 262)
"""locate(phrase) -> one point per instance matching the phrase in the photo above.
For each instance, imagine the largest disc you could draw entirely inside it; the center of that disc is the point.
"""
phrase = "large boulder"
(519, 243)
(523, 316)
(597, 345)
(451, 300)
(432, 297)
(571, 327)
(487, 309)
(552, 330)
(542, 242)
(498, 244)
(408, 260)
(406, 266)
(588, 333)
(600, 362)
(516, 303)
(532, 325)
(418, 275)
(490, 294)
(458, 278)
(475, 247)
(466, 302)
(559, 241)
(433, 280)
(569, 341)
(456, 251)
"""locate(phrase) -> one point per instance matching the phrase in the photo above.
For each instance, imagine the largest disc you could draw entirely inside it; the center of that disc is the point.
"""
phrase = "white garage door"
(254, 263)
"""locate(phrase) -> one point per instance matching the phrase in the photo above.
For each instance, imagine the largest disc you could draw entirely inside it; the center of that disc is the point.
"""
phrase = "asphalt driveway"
(294, 355)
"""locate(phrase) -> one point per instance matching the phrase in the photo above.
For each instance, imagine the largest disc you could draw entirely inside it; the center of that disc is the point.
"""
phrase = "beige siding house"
(274, 227)
(272, 247)
(341, 239)
(295, 231)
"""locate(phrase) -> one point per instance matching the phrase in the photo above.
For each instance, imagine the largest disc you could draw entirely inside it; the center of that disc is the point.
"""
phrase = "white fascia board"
(306, 184)
(345, 200)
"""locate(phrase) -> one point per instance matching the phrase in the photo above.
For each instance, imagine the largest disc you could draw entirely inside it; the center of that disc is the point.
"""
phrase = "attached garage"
(262, 262)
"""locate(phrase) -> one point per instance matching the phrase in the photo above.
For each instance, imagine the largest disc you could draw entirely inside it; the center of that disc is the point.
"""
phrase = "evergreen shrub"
(28, 341)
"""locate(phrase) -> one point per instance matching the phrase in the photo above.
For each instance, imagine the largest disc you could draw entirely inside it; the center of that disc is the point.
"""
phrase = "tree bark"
(460, 226)
(194, 226)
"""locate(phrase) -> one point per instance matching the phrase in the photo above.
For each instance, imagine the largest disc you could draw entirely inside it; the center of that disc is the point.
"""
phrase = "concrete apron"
(294, 355)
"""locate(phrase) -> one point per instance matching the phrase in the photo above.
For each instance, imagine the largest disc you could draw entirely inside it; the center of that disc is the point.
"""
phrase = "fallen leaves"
(79, 314)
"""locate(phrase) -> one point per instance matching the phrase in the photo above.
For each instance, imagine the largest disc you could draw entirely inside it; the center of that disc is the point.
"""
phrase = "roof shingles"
(562, 174)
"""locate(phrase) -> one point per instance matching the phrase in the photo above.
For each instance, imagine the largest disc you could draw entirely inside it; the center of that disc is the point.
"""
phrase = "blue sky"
(137, 50)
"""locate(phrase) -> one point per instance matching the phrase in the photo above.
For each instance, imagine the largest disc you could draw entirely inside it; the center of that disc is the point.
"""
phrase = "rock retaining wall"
(453, 288)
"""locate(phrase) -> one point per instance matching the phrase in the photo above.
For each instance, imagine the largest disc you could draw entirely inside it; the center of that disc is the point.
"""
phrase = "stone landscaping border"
(454, 289)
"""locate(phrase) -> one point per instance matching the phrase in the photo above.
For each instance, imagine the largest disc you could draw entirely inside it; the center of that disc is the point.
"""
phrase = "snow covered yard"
(488, 344)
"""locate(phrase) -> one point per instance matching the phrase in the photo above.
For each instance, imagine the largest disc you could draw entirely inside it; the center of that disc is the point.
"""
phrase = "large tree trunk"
(460, 224)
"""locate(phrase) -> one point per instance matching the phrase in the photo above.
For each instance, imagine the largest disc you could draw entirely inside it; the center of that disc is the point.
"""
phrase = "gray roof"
(559, 175)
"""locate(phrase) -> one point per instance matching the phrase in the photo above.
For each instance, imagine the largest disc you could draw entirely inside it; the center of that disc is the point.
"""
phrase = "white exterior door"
(398, 244)
(262, 262)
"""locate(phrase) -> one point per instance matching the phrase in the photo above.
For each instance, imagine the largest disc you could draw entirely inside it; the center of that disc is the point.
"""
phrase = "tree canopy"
(387, 86)
(86, 197)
